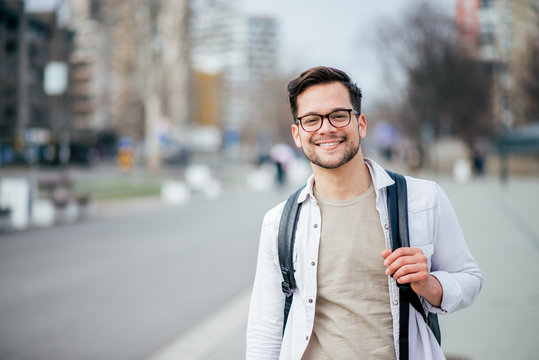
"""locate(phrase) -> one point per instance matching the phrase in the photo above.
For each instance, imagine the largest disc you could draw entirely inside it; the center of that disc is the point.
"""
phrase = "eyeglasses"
(338, 119)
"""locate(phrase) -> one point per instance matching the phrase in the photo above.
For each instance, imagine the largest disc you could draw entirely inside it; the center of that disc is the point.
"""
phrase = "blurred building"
(90, 66)
(34, 61)
(130, 65)
(502, 31)
(12, 26)
(243, 50)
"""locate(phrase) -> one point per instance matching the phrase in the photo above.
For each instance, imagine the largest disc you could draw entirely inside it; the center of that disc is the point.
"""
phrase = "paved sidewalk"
(501, 227)
(220, 336)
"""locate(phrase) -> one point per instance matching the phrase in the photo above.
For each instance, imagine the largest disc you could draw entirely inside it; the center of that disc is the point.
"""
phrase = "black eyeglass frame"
(326, 116)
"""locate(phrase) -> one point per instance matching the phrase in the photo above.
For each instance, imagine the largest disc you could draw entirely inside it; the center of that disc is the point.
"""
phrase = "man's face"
(329, 147)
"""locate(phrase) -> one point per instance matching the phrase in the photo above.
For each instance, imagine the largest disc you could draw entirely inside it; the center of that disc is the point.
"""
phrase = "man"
(345, 305)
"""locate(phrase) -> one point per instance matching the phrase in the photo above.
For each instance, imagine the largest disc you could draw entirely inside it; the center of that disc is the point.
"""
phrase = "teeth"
(329, 144)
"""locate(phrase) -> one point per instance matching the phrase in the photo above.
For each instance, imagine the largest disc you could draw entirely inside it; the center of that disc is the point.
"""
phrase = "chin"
(330, 163)
(333, 163)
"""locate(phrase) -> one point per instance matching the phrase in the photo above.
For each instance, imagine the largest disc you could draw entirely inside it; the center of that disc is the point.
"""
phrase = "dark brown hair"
(321, 75)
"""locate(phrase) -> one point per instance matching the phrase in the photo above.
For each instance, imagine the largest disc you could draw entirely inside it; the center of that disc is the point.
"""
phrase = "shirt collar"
(380, 180)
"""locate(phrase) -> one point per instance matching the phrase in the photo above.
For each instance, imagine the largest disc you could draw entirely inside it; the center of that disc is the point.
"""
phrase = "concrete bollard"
(175, 192)
(15, 194)
(462, 171)
(43, 213)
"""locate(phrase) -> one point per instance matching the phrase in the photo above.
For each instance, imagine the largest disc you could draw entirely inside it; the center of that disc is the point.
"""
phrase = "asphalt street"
(127, 282)
(502, 231)
(145, 278)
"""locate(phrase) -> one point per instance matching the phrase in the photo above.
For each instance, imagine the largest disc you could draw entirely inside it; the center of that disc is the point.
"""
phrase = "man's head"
(329, 125)
(321, 75)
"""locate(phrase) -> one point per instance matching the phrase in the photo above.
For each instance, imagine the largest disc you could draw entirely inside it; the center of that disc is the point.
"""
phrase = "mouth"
(329, 143)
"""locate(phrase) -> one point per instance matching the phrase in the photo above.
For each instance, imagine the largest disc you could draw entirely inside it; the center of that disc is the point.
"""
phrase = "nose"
(327, 127)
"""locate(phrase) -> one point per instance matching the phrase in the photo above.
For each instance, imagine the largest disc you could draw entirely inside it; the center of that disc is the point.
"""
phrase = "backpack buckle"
(287, 290)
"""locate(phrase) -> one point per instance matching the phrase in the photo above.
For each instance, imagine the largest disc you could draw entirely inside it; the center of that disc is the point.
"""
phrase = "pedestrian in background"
(281, 155)
(345, 305)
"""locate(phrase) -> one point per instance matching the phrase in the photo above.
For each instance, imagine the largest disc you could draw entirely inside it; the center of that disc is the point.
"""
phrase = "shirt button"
(313, 263)
(315, 226)
(395, 302)
(310, 301)
(306, 338)
(386, 226)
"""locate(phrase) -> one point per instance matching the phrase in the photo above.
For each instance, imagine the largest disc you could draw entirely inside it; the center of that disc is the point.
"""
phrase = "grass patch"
(119, 187)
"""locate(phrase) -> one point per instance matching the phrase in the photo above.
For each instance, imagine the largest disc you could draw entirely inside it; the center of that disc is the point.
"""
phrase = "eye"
(339, 115)
(309, 120)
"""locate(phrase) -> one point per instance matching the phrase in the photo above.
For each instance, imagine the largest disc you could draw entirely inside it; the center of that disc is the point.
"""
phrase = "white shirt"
(433, 227)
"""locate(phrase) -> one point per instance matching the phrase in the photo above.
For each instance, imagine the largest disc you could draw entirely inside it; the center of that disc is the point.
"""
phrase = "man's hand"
(409, 265)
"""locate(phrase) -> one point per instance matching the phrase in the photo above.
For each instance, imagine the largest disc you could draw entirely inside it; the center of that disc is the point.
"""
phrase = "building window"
(95, 9)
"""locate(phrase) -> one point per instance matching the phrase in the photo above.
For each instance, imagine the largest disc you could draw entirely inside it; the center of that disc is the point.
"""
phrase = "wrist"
(431, 291)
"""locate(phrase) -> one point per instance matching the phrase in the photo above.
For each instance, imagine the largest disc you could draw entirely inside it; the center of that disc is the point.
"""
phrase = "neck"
(345, 182)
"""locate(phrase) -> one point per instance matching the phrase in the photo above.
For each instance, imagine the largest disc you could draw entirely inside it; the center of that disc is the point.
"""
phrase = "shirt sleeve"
(265, 322)
(452, 262)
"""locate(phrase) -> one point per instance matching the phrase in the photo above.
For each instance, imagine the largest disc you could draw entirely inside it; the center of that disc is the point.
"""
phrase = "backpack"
(397, 203)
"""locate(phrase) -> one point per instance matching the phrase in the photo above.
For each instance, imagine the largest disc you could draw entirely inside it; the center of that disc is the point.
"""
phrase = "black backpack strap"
(286, 235)
(395, 209)
(397, 200)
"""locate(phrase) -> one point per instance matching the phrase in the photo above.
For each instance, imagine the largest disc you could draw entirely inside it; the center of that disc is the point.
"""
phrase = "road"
(502, 231)
(123, 285)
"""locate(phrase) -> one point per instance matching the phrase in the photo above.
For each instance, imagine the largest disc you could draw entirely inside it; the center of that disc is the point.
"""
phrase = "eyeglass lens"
(339, 118)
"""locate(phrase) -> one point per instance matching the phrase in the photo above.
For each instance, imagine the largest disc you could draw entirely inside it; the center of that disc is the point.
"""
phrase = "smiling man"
(346, 301)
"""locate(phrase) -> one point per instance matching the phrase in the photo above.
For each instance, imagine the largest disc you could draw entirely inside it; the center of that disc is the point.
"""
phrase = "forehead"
(323, 98)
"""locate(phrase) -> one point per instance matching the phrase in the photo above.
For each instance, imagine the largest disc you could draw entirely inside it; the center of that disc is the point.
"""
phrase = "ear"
(362, 123)
(295, 135)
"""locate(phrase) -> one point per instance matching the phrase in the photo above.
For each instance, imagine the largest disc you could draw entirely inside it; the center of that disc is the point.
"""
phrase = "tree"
(447, 91)
(150, 69)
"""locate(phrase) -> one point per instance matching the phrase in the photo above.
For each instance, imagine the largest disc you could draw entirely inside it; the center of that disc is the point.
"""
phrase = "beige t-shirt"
(353, 317)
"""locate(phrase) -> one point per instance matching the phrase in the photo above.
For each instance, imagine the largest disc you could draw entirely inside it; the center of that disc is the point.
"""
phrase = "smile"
(329, 144)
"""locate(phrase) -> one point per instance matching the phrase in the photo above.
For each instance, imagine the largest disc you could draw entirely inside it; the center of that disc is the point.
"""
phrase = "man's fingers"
(393, 256)
(401, 252)
(406, 260)
(407, 265)
(415, 278)
(405, 269)
(410, 269)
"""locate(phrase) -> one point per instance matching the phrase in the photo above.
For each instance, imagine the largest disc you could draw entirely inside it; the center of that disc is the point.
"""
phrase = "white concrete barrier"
(15, 194)
(462, 171)
(43, 213)
(262, 179)
(200, 178)
(174, 192)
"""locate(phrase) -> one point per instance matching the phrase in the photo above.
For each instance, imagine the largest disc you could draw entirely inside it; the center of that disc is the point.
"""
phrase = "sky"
(337, 33)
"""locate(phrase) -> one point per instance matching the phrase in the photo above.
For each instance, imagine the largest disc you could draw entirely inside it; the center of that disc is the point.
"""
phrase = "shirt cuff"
(451, 296)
